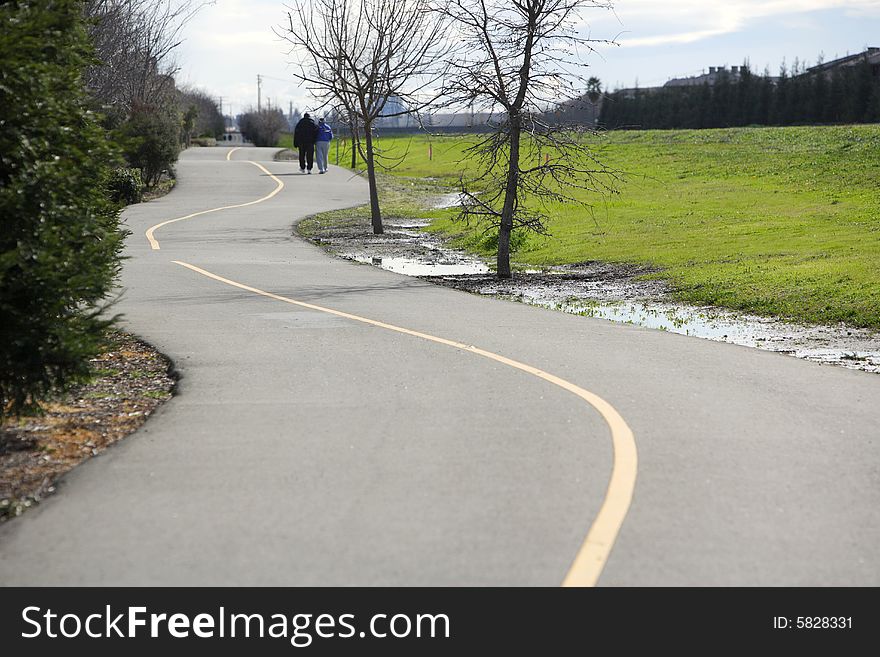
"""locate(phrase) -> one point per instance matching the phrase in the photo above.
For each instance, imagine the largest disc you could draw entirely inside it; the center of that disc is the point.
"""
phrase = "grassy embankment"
(777, 221)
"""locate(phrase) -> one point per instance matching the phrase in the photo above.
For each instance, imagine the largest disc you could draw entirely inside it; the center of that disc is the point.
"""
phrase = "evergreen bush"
(150, 138)
(125, 186)
(60, 239)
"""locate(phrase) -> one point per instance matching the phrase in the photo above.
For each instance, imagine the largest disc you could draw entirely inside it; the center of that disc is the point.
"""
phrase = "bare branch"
(516, 60)
(135, 41)
(360, 55)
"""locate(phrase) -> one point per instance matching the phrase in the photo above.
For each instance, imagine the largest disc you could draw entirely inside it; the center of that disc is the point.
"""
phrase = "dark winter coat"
(305, 133)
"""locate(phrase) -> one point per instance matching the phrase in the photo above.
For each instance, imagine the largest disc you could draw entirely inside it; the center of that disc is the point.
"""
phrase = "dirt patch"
(131, 379)
(617, 292)
(403, 248)
(164, 186)
(587, 280)
(287, 155)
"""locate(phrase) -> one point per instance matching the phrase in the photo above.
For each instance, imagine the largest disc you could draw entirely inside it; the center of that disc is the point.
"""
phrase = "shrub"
(488, 242)
(263, 128)
(207, 121)
(150, 139)
(60, 240)
(125, 186)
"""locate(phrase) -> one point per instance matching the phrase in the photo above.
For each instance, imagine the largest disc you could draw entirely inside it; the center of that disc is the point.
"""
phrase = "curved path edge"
(596, 548)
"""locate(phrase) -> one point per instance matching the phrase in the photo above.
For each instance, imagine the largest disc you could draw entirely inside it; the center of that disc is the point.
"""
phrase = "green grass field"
(777, 221)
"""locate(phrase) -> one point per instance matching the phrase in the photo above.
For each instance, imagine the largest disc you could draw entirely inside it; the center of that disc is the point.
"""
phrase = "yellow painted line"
(231, 151)
(594, 552)
(154, 243)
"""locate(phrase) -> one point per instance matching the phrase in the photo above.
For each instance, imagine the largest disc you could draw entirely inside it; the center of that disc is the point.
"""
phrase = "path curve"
(150, 233)
(308, 449)
(594, 553)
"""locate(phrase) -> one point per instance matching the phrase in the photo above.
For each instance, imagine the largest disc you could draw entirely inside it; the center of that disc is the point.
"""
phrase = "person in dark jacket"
(304, 136)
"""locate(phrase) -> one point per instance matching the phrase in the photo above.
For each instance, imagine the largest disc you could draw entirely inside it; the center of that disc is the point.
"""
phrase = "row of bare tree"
(135, 41)
(513, 59)
(132, 82)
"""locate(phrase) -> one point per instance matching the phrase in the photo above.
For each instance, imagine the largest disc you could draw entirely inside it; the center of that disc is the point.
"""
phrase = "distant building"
(395, 106)
(231, 136)
(715, 73)
(632, 92)
(734, 73)
(871, 56)
(463, 119)
(293, 117)
(733, 96)
(581, 111)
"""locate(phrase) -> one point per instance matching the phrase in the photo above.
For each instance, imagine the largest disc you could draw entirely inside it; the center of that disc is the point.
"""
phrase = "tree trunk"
(506, 227)
(354, 141)
(375, 213)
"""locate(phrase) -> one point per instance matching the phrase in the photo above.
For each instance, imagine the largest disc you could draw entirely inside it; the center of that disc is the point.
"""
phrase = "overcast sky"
(230, 42)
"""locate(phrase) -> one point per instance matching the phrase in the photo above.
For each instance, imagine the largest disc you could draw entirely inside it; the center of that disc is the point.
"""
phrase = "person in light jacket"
(322, 145)
(304, 135)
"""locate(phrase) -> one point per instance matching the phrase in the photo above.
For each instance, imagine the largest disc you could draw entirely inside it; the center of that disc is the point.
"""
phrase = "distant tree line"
(844, 94)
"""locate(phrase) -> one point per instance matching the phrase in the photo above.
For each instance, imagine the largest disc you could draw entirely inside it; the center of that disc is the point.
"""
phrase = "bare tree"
(516, 60)
(357, 55)
(135, 41)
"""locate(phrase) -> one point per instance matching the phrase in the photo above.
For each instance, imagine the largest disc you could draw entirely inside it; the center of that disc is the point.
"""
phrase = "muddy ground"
(613, 292)
(130, 380)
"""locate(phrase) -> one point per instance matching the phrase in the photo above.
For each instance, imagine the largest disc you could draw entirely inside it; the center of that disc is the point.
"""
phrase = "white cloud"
(665, 39)
(213, 41)
(230, 42)
(644, 23)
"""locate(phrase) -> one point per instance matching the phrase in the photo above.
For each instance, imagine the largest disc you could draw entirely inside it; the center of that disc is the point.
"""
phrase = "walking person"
(304, 135)
(322, 145)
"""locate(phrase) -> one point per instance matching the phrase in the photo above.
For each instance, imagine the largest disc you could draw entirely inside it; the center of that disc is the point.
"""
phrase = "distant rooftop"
(872, 54)
(733, 73)
(710, 78)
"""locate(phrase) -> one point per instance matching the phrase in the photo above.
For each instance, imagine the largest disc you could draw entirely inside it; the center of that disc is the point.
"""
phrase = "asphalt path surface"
(306, 448)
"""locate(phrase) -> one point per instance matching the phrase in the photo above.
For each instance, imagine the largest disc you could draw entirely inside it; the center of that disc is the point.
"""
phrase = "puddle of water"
(860, 349)
(411, 225)
(659, 316)
(611, 292)
(419, 267)
(452, 200)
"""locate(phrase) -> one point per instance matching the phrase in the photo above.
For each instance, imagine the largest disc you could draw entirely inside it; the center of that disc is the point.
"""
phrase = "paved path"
(311, 448)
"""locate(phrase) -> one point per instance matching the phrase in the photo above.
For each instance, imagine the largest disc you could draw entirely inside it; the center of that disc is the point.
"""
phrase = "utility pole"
(260, 79)
(290, 121)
